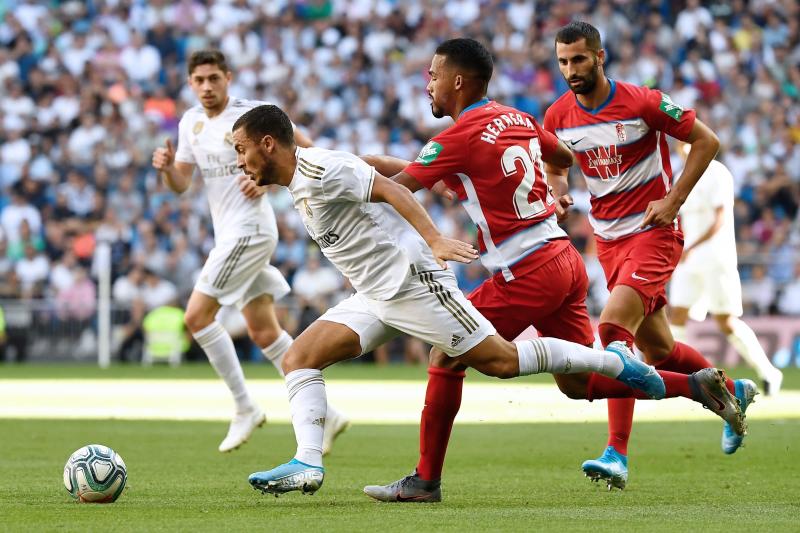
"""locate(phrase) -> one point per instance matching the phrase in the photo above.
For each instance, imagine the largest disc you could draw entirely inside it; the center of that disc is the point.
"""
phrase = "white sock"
(308, 406)
(275, 351)
(218, 346)
(745, 342)
(679, 333)
(556, 356)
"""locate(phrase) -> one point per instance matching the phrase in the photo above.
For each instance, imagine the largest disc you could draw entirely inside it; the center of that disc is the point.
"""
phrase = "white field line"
(373, 402)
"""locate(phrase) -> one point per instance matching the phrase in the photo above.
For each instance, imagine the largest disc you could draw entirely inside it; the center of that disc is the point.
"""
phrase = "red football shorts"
(551, 298)
(644, 262)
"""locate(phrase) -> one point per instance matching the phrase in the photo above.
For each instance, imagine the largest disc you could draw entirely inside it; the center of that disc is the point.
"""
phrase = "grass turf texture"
(519, 477)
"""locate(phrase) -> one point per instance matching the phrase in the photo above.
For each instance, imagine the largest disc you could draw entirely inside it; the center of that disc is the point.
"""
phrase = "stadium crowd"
(90, 89)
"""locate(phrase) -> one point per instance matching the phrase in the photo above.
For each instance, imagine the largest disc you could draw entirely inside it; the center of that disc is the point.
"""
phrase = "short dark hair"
(266, 120)
(207, 57)
(470, 55)
(577, 30)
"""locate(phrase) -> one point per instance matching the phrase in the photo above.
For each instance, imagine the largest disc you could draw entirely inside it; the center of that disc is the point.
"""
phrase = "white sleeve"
(721, 186)
(183, 154)
(348, 180)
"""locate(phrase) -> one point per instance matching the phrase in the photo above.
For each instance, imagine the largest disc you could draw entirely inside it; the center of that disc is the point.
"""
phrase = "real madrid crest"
(228, 138)
(198, 127)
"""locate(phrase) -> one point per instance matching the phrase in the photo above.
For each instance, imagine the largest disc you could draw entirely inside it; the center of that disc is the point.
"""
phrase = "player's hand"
(164, 156)
(563, 203)
(660, 213)
(249, 187)
(441, 189)
(445, 249)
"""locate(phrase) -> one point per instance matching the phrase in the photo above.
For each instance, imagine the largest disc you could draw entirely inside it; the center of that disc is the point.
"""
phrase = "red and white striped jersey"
(622, 150)
(492, 158)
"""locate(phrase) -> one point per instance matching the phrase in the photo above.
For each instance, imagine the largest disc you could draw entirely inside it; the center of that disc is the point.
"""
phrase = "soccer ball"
(95, 474)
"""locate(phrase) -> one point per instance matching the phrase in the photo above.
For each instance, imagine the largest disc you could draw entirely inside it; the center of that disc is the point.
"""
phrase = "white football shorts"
(429, 306)
(709, 290)
(238, 270)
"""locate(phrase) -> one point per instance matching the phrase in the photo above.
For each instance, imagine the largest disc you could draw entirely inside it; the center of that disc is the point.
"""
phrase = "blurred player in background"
(493, 159)
(237, 271)
(618, 133)
(707, 277)
(375, 232)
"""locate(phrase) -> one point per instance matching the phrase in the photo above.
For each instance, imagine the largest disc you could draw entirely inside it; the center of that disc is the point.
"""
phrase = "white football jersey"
(208, 143)
(713, 190)
(370, 243)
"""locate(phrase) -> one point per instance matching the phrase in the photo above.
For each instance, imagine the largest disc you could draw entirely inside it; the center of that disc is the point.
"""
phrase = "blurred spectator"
(90, 89)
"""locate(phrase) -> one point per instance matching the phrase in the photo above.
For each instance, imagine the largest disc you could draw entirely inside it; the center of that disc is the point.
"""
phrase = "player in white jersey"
(237, 271)
(707, 277)
(375, 232)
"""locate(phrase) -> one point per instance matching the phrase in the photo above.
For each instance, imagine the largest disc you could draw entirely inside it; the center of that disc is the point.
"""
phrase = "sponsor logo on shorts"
(455, 341)
(640, 278)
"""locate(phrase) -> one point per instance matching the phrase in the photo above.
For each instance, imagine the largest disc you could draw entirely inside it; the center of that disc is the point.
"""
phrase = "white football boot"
(334, 426)
(242, 426)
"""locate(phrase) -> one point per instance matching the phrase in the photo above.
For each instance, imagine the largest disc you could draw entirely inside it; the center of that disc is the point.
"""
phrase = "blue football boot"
(287, 477)
(745, 391)
(612, 466)
(637, 374)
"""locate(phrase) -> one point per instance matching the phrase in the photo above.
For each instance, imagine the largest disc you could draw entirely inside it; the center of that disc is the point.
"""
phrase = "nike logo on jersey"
(640, 278)
(574, 143)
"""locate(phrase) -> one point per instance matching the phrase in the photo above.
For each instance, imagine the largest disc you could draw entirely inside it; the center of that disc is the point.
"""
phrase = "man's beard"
(589, 82)
(437, 112)
(266, 176)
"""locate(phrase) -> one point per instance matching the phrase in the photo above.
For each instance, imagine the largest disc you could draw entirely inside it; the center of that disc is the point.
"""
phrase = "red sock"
(442, 402)
(685, 360)
(620, 411)
(603, 387)
(611, 332)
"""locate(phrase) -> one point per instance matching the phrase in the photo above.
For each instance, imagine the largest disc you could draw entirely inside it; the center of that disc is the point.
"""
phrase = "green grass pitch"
(520, 477)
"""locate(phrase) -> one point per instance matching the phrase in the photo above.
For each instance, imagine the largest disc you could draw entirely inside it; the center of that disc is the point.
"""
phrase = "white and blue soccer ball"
(95, 474)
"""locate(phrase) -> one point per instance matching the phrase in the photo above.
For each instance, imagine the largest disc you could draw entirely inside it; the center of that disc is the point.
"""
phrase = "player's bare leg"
(265, 330)
(302, 365)
(218, 347)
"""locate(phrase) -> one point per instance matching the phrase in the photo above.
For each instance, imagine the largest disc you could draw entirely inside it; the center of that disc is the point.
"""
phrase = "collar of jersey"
(599, 108)
(482, 102)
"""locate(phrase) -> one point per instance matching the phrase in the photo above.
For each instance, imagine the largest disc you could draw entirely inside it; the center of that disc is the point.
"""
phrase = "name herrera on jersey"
(498, 125)
(220, 171)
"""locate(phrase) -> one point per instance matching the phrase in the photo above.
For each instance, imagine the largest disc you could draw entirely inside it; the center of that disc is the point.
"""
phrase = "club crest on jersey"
(670, 108)
(605, 161)
(621, 135)
(198, 127)
(228, 138)
(429, 153)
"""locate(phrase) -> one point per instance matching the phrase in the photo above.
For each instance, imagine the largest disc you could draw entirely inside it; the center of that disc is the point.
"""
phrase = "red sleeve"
(662, 114)
(547, 140)
(549, 123)
(443, 156)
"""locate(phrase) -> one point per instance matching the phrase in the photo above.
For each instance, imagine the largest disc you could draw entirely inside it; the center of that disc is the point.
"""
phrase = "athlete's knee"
(263, 337)
(574, 389)
(197, 319)
(725, 323)
(438, 359)
(295, 359)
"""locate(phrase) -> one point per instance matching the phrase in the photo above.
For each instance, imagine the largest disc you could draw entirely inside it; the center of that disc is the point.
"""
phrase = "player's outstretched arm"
(399, 197)
(388, 165)
(176, 175)
(704, 147)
